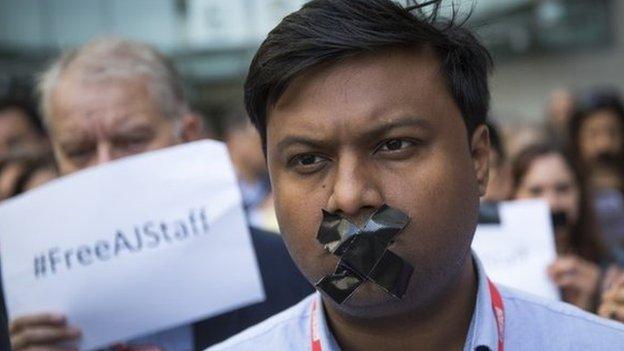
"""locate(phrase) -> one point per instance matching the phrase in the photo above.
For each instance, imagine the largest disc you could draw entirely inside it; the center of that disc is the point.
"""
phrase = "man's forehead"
(415, 67)
(78, 103)
(365, 93)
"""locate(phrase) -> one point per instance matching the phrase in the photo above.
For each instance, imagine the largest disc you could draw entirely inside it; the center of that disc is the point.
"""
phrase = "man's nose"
(104, 154)
(355, 193)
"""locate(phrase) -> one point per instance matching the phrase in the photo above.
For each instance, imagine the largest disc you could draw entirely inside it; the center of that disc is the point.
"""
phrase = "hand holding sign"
(146, 243)
(578, 280)
(41, 331)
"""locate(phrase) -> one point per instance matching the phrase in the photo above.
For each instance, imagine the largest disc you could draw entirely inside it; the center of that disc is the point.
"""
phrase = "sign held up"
(515, 242)
(138, 245)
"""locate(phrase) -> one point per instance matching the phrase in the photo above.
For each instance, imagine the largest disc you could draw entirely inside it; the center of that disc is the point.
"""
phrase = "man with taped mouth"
(372, 116)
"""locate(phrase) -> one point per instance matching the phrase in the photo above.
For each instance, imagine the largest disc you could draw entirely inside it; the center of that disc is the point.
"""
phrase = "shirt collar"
(326, 337)
(482, 333)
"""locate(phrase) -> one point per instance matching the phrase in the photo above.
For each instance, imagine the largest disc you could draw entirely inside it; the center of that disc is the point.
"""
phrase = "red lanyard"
(497, 308)
(499, 314)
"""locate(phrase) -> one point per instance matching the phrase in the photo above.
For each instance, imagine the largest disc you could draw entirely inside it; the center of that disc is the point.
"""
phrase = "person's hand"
(42, 332)
(612, 303)
(578, 280)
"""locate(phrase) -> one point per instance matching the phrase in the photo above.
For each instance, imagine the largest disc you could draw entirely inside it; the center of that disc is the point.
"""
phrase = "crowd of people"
(112, 97)
(573, 160)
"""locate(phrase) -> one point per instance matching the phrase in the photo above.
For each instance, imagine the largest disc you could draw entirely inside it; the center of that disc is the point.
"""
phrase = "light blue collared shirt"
(531, 323)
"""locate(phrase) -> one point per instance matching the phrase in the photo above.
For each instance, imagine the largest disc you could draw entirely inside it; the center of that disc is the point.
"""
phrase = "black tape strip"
(392, 273)
(386, 223)
(559, 219)
(334, 231)
(341, 284)
(364, 254)
(489, 213)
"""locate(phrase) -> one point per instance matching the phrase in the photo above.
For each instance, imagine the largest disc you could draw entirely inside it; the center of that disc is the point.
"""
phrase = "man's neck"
(445, 329)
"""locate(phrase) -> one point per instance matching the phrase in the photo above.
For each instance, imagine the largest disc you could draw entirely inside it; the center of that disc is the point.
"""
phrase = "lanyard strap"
(497, 308)
(314, 328)
(499, 314)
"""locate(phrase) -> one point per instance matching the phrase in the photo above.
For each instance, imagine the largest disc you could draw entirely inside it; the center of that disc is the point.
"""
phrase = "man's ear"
(480, 152)
(192, 127)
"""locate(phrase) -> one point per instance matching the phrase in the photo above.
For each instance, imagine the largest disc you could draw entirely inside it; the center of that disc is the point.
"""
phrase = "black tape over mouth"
(559, 219)
(364, 254)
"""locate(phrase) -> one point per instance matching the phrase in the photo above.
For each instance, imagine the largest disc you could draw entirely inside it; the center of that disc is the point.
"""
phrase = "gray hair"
(114, 58)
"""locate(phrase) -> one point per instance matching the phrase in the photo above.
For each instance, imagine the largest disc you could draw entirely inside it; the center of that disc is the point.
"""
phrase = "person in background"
(113, 98)
(245, 148)
(612, 300)
(543, 171)
(597, 138)
(559, 112)
(20, 130)
(499, 184)
(597, 145)
(25, 158)
(22, 172)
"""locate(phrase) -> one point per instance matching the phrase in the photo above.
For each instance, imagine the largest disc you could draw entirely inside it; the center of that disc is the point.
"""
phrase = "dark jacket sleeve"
(4, 330)
(284, 286)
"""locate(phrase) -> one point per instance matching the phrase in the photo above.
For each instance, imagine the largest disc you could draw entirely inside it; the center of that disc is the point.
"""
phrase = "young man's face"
(371, 130)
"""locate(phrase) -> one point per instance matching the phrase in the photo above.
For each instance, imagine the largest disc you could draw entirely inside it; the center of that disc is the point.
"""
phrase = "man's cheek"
(299, 224)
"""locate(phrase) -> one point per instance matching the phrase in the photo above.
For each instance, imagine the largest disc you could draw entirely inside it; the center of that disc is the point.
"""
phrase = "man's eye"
(394, 145)
(79, 153)
(307, 163)
(131, 144)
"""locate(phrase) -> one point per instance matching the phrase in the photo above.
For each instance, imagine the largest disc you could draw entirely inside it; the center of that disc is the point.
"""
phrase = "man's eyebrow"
(407, 121)
(298, 140)
(381, 128)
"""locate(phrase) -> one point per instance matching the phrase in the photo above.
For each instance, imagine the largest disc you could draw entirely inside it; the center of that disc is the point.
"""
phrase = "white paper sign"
(138, 245)
(517, 252)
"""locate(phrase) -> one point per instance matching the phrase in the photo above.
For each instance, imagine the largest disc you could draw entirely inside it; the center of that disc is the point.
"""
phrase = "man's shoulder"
(280, 332)
(556, 323)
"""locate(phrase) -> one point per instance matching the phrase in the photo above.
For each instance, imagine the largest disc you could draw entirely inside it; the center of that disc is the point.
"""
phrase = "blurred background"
(538, 45)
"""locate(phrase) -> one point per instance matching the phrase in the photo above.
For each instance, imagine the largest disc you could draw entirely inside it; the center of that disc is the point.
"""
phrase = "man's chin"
(369, 300)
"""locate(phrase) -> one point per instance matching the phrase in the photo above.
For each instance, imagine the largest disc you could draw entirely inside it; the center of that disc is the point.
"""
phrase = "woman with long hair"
(544, 171)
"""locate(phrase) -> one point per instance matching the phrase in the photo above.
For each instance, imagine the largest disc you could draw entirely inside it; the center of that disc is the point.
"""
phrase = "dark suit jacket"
(284, 286)
(4, 330)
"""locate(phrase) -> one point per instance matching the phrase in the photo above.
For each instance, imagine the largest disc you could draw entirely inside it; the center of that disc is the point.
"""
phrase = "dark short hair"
(327, 31)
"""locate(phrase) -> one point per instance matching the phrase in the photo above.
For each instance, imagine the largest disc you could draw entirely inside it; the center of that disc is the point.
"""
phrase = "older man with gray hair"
(113, 98)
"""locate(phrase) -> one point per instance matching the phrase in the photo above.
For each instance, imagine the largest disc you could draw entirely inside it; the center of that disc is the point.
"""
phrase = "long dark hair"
(584, 238)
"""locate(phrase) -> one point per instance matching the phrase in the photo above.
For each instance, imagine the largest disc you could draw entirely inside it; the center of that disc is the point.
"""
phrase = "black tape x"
(364, 254)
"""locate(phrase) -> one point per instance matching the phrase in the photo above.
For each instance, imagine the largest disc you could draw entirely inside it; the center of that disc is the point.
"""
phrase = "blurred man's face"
(368, 131)
(16, 132)
(245, 148)
(93, 123)
(550, 178)
(560, 107)
(601, 136)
